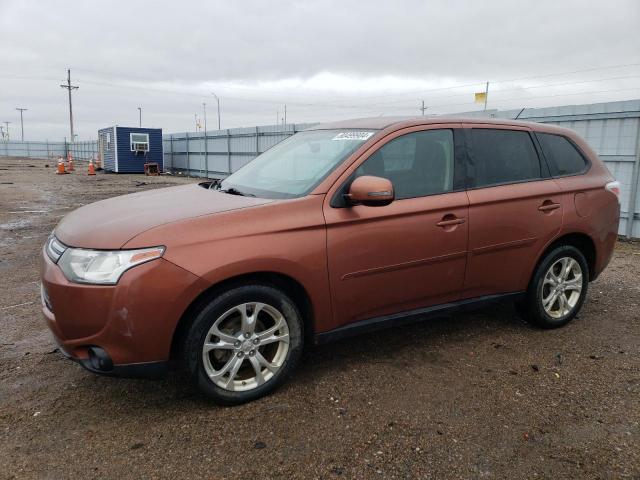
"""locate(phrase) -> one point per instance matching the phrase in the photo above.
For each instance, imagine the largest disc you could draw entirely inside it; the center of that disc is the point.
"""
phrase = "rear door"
(515, 208)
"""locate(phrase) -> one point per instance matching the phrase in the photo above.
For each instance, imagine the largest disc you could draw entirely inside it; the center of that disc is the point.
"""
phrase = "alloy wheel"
(562, 287)
(246, 346)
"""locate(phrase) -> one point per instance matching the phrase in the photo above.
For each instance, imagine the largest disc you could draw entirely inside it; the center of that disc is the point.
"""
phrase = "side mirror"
(370, 191)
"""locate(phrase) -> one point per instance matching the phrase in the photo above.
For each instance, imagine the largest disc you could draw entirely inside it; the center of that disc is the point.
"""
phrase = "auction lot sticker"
(360, 136)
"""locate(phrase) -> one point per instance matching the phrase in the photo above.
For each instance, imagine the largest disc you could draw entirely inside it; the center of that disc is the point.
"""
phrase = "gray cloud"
(325, 59)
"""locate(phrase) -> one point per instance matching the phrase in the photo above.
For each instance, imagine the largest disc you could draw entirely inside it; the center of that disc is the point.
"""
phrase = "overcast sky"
(324, 59)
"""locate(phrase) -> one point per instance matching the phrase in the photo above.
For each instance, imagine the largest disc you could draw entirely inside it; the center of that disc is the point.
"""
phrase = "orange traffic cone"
(70, 163)
(61, 170)
(92, 170)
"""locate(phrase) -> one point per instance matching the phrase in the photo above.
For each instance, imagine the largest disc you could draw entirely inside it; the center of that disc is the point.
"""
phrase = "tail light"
(614, 187)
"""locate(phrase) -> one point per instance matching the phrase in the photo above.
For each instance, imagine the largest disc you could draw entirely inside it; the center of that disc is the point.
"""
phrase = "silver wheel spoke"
(224, 337)
(275, 338)
(563, 304)
(574, 284)
(550, 300)
(231, 363)
(263, 362)
(221, 345)
(269, 332)
(551, 278)
(248, 322)
(234, 372)
(258, 369)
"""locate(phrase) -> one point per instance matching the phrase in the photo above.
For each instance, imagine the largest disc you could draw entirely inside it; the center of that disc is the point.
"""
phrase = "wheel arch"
(283, 282)
(579, 240)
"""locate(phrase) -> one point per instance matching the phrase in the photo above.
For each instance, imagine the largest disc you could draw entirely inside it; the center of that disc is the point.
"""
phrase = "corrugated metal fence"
(224, 151)
(612, 129)
(79, 150)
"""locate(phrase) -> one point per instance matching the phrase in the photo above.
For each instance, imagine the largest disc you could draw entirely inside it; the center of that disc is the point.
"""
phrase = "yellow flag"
(481, 97)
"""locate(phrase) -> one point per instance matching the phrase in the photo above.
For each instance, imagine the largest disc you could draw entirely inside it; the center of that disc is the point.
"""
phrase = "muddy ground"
(470, 396)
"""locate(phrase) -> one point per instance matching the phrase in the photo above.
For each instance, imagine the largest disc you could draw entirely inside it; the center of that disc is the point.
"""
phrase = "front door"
(410, 253)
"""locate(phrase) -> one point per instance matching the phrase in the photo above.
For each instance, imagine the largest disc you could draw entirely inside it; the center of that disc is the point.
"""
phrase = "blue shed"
(127, 149)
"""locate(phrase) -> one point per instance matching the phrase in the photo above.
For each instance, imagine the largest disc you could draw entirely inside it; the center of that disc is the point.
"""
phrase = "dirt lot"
(469, 396)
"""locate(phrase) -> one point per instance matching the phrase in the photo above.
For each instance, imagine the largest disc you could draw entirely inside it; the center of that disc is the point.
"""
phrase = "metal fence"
(224, 151)
(612, 129)
(79, 150)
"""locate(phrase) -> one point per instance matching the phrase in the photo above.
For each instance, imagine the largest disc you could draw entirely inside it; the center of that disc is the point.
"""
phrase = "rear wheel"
(558, 288)
(244, 343)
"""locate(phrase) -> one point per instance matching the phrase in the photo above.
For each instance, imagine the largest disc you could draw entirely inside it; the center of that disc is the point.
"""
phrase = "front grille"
(55, 248)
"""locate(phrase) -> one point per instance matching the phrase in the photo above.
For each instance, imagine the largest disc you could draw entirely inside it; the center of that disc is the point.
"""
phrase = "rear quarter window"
(563, 157)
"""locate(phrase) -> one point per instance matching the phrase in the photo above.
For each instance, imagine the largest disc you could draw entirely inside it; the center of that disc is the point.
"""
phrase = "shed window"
(139, 142)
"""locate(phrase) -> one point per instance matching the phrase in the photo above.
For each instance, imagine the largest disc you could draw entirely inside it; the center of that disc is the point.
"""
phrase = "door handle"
(548, 206)
(450, 221)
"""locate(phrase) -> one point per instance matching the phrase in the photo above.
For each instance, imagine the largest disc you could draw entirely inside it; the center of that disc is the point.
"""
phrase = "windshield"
(295, 166)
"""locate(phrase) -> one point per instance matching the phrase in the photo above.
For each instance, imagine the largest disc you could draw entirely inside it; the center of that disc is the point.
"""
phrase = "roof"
(379, 123)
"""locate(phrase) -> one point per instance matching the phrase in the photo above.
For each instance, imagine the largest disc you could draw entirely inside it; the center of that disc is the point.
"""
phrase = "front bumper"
(131, 323)
(98, 361)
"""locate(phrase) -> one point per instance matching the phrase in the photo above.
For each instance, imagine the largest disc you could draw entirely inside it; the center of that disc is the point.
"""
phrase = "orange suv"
(347, 227)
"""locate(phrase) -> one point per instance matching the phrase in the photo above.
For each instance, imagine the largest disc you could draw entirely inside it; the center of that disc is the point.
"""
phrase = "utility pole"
(206, 151)
(218, 102)
(196, 118)
(140, 116)
(21, 121)
(204, 110)
(285, 113)
(423, 108)
(70, 87)
(7, 129)
(486, 95)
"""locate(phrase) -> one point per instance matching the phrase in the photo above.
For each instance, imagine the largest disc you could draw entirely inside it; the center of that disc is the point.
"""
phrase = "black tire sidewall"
(537, 313)
(207, 315)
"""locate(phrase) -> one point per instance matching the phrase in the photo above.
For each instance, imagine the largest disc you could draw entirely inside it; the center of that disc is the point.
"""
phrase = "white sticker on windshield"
(360, 136)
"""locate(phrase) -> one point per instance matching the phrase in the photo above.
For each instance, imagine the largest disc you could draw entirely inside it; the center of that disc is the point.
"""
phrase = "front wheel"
(244, 343)
(558, 288)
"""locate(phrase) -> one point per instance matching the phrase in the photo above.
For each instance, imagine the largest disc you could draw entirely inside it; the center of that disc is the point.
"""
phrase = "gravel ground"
(469, 396)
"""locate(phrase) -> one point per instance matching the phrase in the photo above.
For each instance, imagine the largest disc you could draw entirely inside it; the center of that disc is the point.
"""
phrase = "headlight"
(103, 267)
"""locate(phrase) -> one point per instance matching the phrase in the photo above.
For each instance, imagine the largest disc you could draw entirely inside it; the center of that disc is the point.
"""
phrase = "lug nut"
(247, 335)
(256, 341)
(240, 354)
(252, 352)
(237, 344)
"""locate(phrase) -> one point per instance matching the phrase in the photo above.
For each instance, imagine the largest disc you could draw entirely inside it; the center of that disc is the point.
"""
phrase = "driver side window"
(418, 164)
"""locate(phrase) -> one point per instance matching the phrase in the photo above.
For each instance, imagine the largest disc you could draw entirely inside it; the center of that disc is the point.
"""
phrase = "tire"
(539, 307)
(227, 334)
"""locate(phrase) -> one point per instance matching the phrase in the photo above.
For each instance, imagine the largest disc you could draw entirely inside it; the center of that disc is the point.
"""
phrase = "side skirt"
(412, 316)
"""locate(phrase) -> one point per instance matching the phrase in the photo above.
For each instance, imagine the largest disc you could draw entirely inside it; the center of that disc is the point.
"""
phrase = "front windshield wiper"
(235, 191)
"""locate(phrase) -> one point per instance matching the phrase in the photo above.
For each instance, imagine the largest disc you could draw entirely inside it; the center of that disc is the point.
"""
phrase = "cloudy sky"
(324, 59)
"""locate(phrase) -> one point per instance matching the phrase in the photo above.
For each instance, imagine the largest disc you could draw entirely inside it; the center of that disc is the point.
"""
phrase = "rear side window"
(502, 156)
(563, 157)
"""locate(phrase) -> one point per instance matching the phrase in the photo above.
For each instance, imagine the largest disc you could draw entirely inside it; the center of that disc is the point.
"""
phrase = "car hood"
(109, 224)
